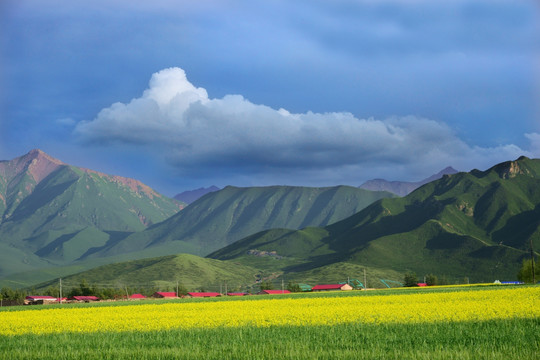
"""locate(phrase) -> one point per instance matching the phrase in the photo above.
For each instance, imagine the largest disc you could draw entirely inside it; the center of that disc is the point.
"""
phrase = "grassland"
(487, 322)
(508, 339)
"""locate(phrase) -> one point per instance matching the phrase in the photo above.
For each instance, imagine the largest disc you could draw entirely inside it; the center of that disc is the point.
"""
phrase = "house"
(203, 294)
(39, 299)
(332, 287)
(136, 297)
(304, 287)
(237, 294)
(84, 298)
(162, 295)
(273, 292)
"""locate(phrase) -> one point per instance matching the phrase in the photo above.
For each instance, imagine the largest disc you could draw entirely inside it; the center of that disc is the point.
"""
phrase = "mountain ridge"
(224, 216)
(475, 224)
(192, 195)
(403, 188)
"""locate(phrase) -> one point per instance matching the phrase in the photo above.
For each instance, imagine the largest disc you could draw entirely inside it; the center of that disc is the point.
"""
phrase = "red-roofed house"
(237, 294)
(203, 294)
(40, 299)
(273, 292)
(330, 287)
(161, 294)
(136, 297)
(84, 298)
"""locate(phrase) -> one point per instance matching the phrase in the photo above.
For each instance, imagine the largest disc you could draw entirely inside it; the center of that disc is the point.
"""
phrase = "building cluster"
(37, 300)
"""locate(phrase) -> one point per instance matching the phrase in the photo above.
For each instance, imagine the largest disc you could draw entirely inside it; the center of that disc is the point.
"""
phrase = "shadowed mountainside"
(222, 217)
(475, 225)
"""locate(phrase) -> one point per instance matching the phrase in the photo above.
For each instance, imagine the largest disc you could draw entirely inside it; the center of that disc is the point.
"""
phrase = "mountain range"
(220, 218)
(403, 188)
(61, 220)
(57, 215)
(476, 225)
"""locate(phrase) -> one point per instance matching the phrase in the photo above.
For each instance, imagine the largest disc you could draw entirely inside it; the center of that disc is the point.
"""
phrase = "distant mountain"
(222, 217)
(52, 213)
(476, 225)
(403, 188)
(190, 196)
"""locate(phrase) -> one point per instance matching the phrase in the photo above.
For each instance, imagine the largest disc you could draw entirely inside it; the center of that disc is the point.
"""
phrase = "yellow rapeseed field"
(458, 306)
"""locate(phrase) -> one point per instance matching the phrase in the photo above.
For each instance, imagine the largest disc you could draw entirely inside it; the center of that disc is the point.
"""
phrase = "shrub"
(410, 279)
(525, 273)
(432, 280)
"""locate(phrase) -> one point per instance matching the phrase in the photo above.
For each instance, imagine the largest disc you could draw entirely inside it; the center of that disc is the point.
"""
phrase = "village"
(46, 299)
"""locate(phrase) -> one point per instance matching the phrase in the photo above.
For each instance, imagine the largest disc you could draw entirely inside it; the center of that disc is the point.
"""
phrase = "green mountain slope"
(476, 224)
(222, 217)
(53, 213)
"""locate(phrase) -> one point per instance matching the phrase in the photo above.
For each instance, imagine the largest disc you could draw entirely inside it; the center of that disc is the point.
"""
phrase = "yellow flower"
(402, 307)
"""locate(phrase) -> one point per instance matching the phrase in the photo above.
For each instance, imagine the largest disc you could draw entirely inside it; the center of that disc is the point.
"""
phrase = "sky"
(189, 94)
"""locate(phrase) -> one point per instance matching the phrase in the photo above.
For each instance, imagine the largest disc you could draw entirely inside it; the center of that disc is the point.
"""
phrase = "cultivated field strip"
(402, 308)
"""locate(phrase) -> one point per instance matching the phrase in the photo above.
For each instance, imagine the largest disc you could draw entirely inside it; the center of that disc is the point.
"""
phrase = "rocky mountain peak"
(36, 163)
(511, 169)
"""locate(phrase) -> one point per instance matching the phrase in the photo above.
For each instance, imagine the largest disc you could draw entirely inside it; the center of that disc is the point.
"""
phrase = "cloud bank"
(195, 133)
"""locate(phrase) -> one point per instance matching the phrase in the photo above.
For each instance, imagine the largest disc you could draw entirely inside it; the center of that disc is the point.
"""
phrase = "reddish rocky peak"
(37, 163)
(39, 155)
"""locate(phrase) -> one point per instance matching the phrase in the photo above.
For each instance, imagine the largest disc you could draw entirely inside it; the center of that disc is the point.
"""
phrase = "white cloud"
(179, 120)
(534, 139)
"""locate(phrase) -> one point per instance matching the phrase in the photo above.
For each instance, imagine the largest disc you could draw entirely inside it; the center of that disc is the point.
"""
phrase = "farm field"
(491, 322)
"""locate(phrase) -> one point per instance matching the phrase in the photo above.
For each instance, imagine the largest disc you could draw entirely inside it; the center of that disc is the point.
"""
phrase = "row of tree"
(528, 273)
(10, 296)
(528, 268)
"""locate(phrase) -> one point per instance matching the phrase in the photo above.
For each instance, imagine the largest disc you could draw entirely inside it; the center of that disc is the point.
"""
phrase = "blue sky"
(184, 94)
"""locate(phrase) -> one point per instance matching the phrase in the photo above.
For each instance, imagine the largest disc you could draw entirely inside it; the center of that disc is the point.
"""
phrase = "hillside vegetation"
(223, 217)
(63, 220)
(476, 225)
(163, 273)
(52, 213)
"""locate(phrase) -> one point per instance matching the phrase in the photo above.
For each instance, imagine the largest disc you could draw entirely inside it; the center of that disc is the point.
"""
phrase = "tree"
(83, 290)
(293, 287)
(266, 285)
(443, 280)
(525, 273)
(431, 280)
(14, 296)
(410, 279)
(182, 290)
(52, 291)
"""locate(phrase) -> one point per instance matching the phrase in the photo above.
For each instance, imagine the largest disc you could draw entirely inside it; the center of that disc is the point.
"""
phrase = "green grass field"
(514, 339)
